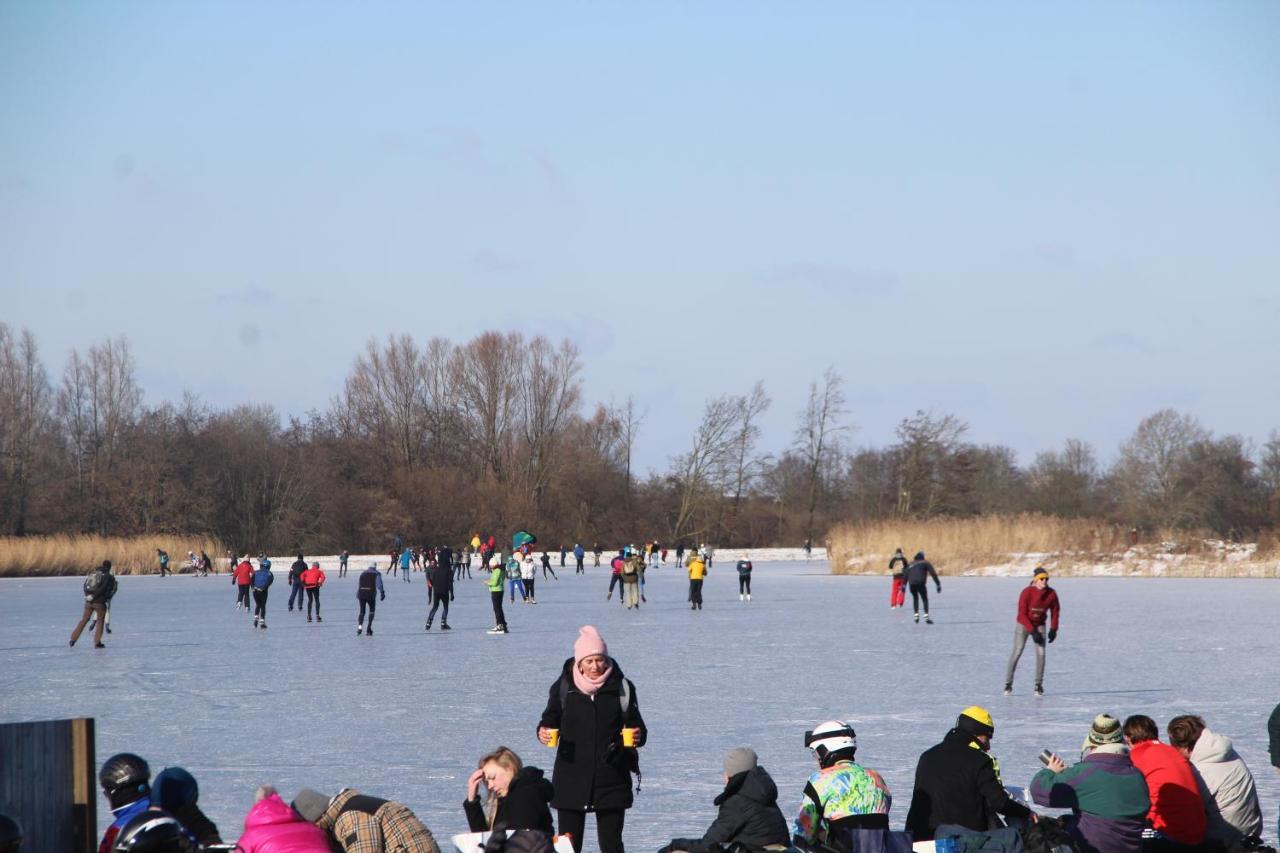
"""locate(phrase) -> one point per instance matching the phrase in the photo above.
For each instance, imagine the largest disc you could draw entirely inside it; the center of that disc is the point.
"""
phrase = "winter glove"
(1037, 638)
(1053, 634)
(450, 595)
(384, 597)
(939, 589)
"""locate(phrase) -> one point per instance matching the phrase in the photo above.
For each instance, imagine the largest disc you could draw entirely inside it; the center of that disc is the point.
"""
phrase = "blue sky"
(1048, 219)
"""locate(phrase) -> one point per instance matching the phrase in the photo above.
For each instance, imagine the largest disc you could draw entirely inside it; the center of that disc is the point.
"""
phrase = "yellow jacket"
(697, 569)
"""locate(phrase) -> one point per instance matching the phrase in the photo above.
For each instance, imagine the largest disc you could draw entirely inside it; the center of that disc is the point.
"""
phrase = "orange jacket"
(313, 578)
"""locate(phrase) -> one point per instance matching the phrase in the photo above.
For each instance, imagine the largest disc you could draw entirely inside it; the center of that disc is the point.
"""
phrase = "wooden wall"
(47, 782)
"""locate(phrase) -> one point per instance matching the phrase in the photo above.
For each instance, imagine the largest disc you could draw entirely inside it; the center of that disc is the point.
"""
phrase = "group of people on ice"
(1128, 792)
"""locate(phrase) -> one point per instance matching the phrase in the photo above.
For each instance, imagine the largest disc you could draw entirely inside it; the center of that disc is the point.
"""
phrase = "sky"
(1050, 220)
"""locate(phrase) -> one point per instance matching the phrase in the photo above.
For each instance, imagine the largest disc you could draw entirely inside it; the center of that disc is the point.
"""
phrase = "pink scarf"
(590, 686)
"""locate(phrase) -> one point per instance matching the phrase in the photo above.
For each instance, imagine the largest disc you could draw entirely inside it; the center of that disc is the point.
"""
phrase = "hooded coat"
(272, 826)
(523, 807)
(1226, 785)
(749, 815)
(593, 769)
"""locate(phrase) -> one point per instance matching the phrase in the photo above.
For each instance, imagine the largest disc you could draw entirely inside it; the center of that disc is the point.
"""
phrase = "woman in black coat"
(518, 795)
(588, 707)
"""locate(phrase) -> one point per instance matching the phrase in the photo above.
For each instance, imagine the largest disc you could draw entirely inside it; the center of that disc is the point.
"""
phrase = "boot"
(427, 627)
(1008, 688)
(1039, 689)
(444, 626)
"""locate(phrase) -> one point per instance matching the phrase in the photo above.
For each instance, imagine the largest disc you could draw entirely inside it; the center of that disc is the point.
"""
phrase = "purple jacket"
(1108, 799)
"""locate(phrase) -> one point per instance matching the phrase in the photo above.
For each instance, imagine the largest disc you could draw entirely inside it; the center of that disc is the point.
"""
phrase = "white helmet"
(831, 737)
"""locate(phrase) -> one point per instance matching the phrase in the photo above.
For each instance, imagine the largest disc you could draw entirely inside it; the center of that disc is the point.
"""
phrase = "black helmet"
(10, 834)
(154, 831)
(124, 777)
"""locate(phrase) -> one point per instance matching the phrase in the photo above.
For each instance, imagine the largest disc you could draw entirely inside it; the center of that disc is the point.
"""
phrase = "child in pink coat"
(272, 826)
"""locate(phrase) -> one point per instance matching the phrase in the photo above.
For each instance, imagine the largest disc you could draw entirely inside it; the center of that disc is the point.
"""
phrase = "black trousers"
(580, 570)
(695, 593)
(313, 594)
(919, 593)
(499, 620)
(440, 599)
(260, 603)
(242, 594)
(744, 584)
(528, 588)
(608, 828)
(372, 605)
(296, 593)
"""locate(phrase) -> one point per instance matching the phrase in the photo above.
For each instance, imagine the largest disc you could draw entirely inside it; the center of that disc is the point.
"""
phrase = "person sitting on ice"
(359, 823)
(1177, 815)
(841, 797)
(126, 782)
(749, 815)
(175, 790)
(517, 795)
(1226, 785)
(272, 825)
(1107, 795)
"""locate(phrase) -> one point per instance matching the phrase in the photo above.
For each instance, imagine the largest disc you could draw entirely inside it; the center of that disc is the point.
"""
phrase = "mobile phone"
(1046, 756)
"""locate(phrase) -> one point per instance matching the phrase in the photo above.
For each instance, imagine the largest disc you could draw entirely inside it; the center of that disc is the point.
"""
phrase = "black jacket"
(957, 783)
(593, 768)
(524, 806)
(197, 823)
(920, 571)
(749, 816)
(295, 572)
(893, 563)
(442, 575)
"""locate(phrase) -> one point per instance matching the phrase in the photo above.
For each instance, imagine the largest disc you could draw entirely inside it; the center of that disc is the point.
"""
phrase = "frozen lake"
(404, 715)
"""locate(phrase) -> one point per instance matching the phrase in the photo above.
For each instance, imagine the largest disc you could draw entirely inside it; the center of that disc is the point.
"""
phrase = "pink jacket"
(272, 826)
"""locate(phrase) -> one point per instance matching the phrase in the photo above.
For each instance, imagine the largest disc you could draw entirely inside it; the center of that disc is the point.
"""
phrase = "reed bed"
(65, 554)
(1009, 544)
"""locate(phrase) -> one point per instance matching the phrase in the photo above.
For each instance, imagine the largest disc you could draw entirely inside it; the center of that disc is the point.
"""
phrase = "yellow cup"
(553, 737)
(629, 736)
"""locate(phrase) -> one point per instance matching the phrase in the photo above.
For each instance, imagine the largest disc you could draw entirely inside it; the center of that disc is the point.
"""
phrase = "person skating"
(528, 577)
(595, 712)
(1037, 604)
(744, 579)
(564, 554)
(615, 574)
(342, 564)
(632, 565)
(597, 550)
(546, 565)
(312, 579)
(514, 580)
(405, 560)
(898, 567)
(749, 817)
(163, 556)
(697, 573)
(106, 566)
(918, 574)
(206, 564)
(262, 580)
(126, 783)
(580, 554)
(242, 578)
(296, 590)
(369, 591)
(842, 796)
(441, 587)
(958, 781)
(496, 576)
(99, 586)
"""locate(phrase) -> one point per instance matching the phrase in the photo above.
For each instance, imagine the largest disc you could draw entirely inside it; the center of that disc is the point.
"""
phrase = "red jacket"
(243, 572)
(313, 578)
(1034, 605)
(1176, 807)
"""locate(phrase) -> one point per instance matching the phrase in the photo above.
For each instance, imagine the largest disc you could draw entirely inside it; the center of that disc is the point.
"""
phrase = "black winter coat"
(957, 783)
(524, 806)
(749, 816)
(593, 768)
(919, 573)
(295, 572)
(442, 575)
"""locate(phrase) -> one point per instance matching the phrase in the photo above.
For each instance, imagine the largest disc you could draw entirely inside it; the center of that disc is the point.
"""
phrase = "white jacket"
(526, 569)
(1226, 786)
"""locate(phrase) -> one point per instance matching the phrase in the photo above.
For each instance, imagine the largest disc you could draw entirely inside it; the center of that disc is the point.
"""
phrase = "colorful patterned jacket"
(842, 795)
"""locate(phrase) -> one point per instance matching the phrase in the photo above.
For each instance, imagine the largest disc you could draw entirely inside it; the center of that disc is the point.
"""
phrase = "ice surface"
(404, 715)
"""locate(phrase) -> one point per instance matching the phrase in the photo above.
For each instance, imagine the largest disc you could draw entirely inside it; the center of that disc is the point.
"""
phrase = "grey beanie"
(310, 804)
(739, 759)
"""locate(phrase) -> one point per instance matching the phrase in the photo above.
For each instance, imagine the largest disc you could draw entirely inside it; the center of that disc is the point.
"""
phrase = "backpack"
(95, 584)
(1048, 835)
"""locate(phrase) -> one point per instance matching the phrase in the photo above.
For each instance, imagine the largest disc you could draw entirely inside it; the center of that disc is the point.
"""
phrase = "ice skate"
(427, 627)
(368, 632)
(99, 645)
(1039, 689)
(318, 619)
(264, 624)
(748, 596)
(255, 621)
(308, 618)
(496, 629)
(359, 630)
(444, 626)
(928, 620)
(917, 616)
(1008, 689)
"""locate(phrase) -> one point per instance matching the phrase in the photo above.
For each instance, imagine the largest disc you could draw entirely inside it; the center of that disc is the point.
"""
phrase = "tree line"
(437, 440)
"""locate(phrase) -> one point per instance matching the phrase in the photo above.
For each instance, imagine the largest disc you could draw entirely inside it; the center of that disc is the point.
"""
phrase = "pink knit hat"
(589, 643)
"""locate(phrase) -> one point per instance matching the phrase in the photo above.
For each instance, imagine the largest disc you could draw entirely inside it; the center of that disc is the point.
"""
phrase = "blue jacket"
(579, 552)
(262, 578)
(122, 816)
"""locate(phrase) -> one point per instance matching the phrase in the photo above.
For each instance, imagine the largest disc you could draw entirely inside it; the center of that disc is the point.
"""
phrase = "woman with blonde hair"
(517, 795)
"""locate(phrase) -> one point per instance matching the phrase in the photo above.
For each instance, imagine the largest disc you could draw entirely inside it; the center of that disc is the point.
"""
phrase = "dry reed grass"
(64, 554)
(1067, 546)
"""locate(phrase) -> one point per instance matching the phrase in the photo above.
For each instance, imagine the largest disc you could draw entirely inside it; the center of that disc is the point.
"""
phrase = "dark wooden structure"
(47, 782)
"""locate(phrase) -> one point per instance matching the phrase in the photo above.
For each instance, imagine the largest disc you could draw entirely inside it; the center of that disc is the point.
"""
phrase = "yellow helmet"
(976, 720)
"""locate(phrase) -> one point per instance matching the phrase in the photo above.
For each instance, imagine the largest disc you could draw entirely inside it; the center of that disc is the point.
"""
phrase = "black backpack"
(95, 585)
(1047, 835)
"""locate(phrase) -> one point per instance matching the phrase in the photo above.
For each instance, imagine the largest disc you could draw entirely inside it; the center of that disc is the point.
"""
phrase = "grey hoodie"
(1226, 786)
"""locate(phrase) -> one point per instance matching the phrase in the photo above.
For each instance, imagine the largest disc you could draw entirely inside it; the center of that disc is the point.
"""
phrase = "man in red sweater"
(1037, 603)
(1177, 814)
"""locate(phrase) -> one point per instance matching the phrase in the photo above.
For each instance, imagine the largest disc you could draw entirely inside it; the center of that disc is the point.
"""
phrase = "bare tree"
(746, 463)
(386, 400)
(1065, 482)
(485, 373)
(926, 443)
(627, 420)
(700, 475)
(817, 438)
(549, 391)
(1146, 474)
(25, 406)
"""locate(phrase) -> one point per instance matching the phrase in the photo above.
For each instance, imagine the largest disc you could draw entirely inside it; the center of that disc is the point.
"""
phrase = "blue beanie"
(174, 788)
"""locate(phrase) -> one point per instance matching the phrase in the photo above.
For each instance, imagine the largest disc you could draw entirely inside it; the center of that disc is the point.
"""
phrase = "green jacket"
(496, 577)
(1273, 732)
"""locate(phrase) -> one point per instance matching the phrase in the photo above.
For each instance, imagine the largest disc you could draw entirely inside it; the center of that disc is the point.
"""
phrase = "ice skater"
(342, 564)
(496, 573)
(262, 580)
(514, 580)
(615, 579)
(405, 558)
(918, 574)
(1037, 604)
(296, 590)
(528, 576)
(242, 578)
(546, 565)
(898, 566)
(697, 574)
(744, 579)
(441, 587)
(163, 556)
(579, 554)
(369, 591)
(99, 586)
(312, 579)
